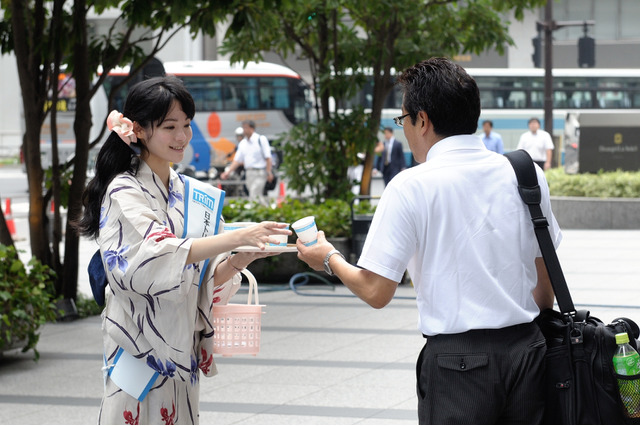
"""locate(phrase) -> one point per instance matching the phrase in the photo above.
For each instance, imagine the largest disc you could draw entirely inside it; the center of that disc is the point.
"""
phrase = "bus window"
(206, 92)
(274, 93)
(280, 93)
(301, 99)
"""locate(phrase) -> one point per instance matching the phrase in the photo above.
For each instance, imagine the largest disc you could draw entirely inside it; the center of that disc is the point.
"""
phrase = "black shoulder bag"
(581, 385)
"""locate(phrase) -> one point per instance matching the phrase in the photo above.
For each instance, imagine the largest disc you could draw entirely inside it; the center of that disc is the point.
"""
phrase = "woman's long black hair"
(147, 104)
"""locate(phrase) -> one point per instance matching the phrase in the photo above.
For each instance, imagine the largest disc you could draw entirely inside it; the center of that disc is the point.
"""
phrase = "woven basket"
(237, 327)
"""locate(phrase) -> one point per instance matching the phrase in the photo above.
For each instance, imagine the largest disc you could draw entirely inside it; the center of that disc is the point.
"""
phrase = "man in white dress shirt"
(538, 144)
(254, 153)
(458, 225)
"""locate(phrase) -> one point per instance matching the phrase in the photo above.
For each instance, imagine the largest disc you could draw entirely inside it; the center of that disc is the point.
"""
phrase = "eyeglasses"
(400, 120)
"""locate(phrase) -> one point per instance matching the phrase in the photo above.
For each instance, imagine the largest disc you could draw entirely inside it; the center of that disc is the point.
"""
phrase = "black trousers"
(482, 377)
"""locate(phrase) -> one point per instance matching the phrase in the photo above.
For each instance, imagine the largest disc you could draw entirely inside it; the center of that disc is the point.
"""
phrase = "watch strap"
(327, 267)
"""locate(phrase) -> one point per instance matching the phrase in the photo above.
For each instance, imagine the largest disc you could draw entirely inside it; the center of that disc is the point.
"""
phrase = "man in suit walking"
(391, 160)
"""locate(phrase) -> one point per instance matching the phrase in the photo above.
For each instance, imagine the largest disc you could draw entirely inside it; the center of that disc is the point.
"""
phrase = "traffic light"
(537, 52)
(586, 52)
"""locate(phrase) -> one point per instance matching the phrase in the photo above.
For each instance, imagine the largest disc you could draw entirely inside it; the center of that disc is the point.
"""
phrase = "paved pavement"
(326, 357)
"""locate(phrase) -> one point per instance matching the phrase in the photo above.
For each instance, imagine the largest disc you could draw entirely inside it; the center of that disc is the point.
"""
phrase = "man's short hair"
(533, 119)
(445, 91)
(489, 122)
(387, 129)
(250, 123)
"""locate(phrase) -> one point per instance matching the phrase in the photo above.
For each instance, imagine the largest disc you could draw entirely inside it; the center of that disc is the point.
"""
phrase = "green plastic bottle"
(626, 362)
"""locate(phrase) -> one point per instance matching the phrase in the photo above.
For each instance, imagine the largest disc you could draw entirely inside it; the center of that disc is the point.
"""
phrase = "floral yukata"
(156, 310)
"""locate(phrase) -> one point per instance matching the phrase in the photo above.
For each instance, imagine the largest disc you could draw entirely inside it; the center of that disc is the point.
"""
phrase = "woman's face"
(167, 141)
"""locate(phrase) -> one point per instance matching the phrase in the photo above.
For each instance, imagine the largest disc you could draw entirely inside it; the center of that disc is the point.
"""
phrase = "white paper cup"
(282, 239)
(234, 226)
(307, 230)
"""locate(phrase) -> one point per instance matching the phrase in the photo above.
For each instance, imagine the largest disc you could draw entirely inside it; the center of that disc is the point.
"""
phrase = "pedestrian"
(457, 223)
(254, 153)
(538, 144)
(157, 327)
(491, 139)
(391, 160)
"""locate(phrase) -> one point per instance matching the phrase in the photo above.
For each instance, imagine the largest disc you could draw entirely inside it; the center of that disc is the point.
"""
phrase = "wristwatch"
(327, 268)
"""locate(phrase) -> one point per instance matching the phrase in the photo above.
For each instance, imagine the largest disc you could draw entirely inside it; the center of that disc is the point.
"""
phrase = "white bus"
(510, 97)
(273, 96)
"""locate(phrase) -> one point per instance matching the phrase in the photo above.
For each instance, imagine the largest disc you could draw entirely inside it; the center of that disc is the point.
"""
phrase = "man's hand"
(314, 255)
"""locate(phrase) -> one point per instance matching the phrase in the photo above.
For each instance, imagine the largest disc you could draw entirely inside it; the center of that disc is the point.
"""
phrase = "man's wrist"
(327, 259)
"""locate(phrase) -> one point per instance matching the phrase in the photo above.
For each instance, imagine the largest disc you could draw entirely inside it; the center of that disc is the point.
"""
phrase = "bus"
(510, 97)
(273, 96)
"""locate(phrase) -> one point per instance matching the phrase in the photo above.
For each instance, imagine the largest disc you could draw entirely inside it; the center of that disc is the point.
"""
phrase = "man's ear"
(423, 122)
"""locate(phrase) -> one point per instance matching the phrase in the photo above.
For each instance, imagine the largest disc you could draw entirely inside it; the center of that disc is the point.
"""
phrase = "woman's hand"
(258, 235)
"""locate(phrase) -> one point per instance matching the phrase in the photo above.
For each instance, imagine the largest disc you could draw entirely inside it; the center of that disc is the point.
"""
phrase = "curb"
(596, 213)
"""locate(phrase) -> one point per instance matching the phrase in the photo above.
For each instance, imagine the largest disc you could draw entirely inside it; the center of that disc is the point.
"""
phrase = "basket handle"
(253, 287)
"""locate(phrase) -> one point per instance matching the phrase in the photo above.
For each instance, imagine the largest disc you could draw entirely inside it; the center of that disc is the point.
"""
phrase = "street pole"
(548, 77)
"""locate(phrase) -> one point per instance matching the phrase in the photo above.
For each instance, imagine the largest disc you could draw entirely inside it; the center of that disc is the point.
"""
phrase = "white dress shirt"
(458, 225)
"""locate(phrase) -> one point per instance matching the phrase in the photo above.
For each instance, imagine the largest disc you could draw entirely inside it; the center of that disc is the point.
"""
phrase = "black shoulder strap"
(260, 143)
(531, 195)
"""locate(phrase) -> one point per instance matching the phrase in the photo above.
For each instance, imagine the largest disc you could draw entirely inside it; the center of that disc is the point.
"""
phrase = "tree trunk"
(32, 68)
(82, 128)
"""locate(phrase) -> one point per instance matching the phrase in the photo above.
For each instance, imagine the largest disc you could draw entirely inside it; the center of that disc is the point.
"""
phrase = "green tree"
(343, 38)
(49, 35)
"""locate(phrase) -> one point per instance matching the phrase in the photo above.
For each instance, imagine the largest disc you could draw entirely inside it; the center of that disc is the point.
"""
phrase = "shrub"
(332, 216)
(27, 298)
(618, 184)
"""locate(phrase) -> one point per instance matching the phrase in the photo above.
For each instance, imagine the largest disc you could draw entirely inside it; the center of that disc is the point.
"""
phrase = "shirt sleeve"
(265, 147)
(548, 142)
(239, 157)
(391, 240)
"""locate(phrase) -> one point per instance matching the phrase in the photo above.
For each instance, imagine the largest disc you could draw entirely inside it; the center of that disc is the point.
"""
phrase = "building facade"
(615, 30)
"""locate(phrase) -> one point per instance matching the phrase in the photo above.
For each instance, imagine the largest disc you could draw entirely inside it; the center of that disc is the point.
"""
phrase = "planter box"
(279, 269)
(596, 213)
(14, 344)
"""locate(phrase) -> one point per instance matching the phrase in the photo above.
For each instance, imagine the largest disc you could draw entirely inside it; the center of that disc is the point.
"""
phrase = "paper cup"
(228, 227)
(282, 239)
(307, 230)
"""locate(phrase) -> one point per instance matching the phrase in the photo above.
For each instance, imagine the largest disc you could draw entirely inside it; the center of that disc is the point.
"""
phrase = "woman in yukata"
(156, 324)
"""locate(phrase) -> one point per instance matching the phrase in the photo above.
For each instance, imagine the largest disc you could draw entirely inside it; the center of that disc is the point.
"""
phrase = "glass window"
(274, 93)
(629, 12)
(606, 20)
(206, 92)
(573, 10)
(239, 93)
(615, 19)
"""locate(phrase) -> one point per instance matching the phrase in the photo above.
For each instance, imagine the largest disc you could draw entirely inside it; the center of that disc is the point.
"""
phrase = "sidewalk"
(326, 358)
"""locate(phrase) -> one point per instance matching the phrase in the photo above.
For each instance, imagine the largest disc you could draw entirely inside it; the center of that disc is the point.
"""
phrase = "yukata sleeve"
(140, 250)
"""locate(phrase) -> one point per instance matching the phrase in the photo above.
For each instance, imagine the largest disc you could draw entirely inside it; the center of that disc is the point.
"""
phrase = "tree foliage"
(49, 35)
(348, 41)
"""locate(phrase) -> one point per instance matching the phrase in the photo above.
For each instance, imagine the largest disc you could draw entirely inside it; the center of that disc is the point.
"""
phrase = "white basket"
(237, 327)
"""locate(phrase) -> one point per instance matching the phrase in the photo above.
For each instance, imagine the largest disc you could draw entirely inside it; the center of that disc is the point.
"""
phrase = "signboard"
(609, 141)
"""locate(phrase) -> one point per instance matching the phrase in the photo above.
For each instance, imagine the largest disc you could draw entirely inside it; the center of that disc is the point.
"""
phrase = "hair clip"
(120, 124)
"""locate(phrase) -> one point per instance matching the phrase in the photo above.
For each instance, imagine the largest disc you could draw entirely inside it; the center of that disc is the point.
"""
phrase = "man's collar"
(453, 143)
